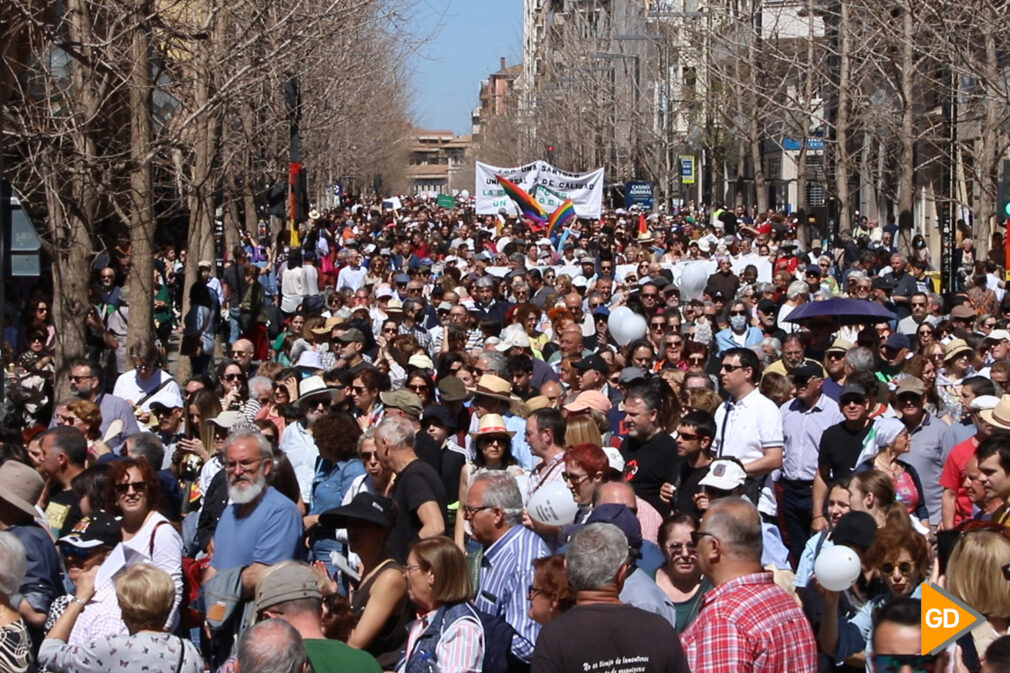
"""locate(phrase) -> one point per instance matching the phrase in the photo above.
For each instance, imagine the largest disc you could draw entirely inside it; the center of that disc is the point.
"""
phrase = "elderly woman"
(145, 596)
(15, 644)
(448, 635)
(900, 557)
(891, 442)
(957, 367)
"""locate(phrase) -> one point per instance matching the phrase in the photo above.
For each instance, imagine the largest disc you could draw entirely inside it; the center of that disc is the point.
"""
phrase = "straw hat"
(491, 424)
(955, 347)
(998, 416)
(490, 385)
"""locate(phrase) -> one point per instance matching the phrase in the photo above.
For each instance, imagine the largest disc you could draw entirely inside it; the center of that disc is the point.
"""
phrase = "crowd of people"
(417, 441)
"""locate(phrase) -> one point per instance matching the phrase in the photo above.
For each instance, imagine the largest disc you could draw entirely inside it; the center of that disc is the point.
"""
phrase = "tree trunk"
(141, 186)
(842, 159)
(906, 161)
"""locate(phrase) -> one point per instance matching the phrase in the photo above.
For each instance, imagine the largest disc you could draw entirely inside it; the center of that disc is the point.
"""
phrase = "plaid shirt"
(750, 625)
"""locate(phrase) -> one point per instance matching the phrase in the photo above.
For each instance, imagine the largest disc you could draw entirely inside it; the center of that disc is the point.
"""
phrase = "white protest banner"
(550, 186)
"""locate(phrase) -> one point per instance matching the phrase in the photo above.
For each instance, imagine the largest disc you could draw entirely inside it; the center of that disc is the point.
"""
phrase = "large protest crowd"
(423, 440)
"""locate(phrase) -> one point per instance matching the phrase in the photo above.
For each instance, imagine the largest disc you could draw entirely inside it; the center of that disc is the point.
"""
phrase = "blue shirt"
(506, 572)
(271, 533)
(802, 428)
(331, 482)
(642, 592)
(929, 444)
(42, 582)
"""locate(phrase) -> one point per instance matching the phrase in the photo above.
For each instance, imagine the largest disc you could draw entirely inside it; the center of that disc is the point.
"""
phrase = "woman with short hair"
(146, 597)
(551, 592)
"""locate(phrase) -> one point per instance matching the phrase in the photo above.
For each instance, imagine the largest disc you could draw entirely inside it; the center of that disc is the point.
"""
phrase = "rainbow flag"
(529, 207)
(560, 217)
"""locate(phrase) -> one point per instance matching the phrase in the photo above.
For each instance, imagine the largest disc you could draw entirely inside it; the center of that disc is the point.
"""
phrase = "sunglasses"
(904, 568)
(738, 312)
(688, 436)
(367, 455)
(699, 360)
(71, 552)
(137, 486)
(895, 663)
(730, 368)
(231, 377)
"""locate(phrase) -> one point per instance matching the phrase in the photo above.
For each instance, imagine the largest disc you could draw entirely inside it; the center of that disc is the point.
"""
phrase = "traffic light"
(550, 153)
(1003, 195)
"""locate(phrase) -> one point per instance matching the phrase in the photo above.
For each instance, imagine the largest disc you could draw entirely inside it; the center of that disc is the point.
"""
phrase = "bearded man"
(260, 527)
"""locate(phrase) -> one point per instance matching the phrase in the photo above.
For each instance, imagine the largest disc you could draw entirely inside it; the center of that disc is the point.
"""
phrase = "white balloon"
(552, 504)
(836, 568)
(625, 325)
(692, 280)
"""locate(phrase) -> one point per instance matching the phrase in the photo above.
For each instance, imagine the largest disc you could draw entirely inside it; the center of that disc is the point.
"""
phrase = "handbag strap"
(154, 392)
(182, 645)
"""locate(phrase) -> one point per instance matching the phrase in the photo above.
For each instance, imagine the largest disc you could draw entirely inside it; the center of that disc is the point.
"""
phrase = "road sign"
(944, 619)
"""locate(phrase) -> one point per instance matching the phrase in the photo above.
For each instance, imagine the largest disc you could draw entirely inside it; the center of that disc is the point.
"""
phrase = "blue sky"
(447, 70)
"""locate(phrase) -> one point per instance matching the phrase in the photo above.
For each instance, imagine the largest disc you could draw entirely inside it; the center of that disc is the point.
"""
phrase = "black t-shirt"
(427, 450)
(235, 283)
(608, 637)
(683, 499)
(417, 484)
(63, 511)
(839, 450)
(648, 466)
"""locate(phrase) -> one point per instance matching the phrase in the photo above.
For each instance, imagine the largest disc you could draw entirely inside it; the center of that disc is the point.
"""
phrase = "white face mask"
(737, 322)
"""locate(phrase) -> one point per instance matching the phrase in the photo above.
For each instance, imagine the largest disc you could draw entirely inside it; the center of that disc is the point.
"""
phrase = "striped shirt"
(505, 575)
(460, 647)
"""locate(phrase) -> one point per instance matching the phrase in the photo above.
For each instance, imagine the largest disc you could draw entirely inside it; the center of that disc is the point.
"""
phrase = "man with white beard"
(260, 527)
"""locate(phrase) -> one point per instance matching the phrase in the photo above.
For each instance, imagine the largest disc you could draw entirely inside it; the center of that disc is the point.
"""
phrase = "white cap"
(544, 241)
(983, 402)
(513, 338)
(998, 335)
(724, 475)
(614, 458)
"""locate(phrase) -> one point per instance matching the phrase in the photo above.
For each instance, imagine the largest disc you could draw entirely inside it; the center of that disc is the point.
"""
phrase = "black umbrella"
(843, 311)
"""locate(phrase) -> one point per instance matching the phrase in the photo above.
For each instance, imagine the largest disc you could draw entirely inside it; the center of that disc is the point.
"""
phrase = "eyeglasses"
(574, 479)
(532, 592)
(697, 535)
(137, 486)
(36, 339)
(698, 359)
(688, 436)
(143, 366)
(738, 312)
(418, 388)
(674, 344)
(677, 548)
(106, 277)
(78, 379)
(649, 295)
(468, 511)
(321, 403)
(65, 420)
(231, 377)
(924, 331)
(658, 326)
(904, 568)
(388, 330)
(411, 568)
(729, 368)
(367, 455)
(239, 354)
(895, 663)
(42, 309)
(358, 389)
(243, 466)
(487, 441)
(908, 400)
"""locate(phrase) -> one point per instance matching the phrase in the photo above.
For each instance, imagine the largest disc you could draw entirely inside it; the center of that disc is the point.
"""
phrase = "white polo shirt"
(745, 430)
